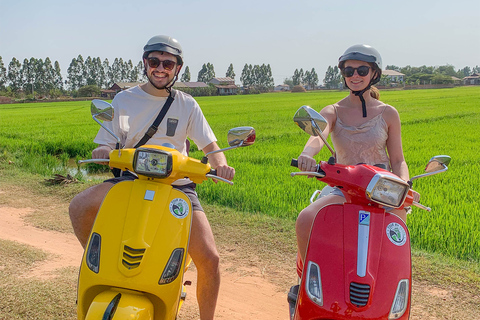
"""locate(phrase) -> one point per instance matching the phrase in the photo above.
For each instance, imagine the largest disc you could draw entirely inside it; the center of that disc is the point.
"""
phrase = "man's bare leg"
(204, 254)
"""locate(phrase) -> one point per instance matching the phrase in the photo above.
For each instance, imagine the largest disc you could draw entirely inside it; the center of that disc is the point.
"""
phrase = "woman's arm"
(394, 144)
(315, 144)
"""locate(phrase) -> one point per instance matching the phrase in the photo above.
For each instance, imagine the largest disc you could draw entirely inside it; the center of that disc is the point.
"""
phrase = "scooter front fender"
(123, 304)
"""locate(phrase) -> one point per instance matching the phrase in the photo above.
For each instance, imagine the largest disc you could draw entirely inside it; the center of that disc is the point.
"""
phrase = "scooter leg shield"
(356, 258)
(114, 305)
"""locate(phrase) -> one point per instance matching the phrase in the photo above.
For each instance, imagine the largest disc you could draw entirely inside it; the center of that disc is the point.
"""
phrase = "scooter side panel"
(146, 221)
(333, 245)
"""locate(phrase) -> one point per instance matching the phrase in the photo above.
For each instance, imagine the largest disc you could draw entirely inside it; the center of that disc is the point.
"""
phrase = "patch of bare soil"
(244, 294)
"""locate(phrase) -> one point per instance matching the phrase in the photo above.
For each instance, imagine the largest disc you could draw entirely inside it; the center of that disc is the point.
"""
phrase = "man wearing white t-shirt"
(135, 110)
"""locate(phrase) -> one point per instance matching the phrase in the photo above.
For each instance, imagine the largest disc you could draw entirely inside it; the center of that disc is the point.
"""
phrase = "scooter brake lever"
(93, 160)
(219, 178)
(306, 173)
(421, 206)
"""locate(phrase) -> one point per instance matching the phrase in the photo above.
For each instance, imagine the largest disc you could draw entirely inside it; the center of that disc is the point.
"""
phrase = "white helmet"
(363, 52)
(164, 44)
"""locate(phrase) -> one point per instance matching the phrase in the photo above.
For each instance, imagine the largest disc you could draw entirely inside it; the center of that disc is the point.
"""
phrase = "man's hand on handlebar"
(102, 152)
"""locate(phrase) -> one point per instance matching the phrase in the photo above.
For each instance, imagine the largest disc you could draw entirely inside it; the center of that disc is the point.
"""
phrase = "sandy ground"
(245, 294)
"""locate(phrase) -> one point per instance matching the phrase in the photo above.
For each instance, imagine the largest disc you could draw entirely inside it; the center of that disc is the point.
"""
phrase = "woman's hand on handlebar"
(416, 196)
(306, 163)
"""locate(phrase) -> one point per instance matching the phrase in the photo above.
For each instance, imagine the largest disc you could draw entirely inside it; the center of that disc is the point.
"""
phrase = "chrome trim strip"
(362, 242)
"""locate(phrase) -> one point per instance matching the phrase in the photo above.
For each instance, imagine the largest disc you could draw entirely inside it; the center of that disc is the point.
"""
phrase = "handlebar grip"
(294, 163)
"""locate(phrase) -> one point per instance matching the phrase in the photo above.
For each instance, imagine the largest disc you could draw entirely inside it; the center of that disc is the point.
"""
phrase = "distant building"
(191, 85)
(474, 79)
(282, 87)
(456, 81)
(225, 86)
(117, 87)
(394, 76)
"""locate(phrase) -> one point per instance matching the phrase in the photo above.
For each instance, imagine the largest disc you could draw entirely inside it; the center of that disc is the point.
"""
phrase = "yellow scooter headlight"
(153, 163)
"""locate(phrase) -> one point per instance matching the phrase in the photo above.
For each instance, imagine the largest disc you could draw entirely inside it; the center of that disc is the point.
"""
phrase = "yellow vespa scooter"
(137, 254)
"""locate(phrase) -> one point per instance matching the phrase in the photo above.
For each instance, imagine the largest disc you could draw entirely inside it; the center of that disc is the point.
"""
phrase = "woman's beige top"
(365, 143)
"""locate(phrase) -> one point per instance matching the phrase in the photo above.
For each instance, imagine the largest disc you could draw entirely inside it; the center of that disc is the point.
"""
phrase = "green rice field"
(42, 137)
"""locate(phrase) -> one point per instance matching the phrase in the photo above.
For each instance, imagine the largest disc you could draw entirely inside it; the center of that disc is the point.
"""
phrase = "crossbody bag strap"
(154, 127)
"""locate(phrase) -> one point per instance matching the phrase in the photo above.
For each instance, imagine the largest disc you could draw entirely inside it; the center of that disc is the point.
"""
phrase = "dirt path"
(247, 291)
(244, 294)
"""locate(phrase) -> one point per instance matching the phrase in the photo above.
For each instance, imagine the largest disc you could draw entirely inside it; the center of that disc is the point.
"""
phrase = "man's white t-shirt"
(135, 110)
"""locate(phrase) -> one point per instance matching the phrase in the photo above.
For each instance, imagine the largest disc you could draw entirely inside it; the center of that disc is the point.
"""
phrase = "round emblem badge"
(396, 234)
(179, 208)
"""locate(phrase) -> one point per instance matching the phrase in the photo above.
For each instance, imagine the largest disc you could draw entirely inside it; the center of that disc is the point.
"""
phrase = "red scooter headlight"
(387, 190)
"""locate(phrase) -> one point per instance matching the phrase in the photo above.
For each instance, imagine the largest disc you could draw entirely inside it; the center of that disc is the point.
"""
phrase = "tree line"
(88, 76)
(412, 75)
(42, 77)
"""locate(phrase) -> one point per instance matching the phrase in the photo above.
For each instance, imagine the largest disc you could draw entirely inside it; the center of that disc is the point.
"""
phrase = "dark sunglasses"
(155, 62)
(362, 71)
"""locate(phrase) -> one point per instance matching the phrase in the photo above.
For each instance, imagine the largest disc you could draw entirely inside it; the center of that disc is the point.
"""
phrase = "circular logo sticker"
(179, 208)
(396, 234)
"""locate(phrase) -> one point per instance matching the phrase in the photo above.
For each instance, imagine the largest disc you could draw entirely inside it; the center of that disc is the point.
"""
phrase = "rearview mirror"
(312, 123)
(241, 136)
(237, 137)
(437, 163)
(101, 110)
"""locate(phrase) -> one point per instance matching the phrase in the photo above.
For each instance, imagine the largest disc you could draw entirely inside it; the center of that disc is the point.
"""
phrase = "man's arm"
(219, 162)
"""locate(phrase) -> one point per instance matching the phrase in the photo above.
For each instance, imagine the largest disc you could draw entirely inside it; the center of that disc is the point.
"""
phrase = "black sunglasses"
(362, 71)
(155, 62)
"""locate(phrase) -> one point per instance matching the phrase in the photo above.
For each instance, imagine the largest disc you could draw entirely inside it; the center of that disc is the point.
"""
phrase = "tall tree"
(186, 75)
(333, 78)
(105, 80)
(230, 73)
(297, 77)
(74, 75)
(115, 71)
(465, 72)
(45, 76)
(14, 75)
(57, 78)
(310, 78)
(245, 78)
(207, 73)
(28, 71)
(82, 73)
(3, 74)
(141, 72)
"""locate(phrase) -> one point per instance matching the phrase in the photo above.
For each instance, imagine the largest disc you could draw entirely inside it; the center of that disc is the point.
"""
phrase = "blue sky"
(288, 35)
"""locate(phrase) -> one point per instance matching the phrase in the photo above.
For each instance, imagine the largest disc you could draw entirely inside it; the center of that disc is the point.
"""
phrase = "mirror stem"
(320, 134)
(430, 173)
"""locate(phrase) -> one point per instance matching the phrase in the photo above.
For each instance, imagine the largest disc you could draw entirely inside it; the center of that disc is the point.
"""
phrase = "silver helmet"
(164, 44)
(366, 53)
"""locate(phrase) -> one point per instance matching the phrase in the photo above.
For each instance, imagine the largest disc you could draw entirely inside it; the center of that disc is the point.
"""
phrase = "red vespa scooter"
(358, 259)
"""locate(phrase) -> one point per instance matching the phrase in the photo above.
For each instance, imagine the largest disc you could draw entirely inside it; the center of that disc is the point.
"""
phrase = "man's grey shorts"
(188, 189)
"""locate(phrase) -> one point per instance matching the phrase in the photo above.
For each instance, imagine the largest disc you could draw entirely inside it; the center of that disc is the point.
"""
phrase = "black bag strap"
(154, 127)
